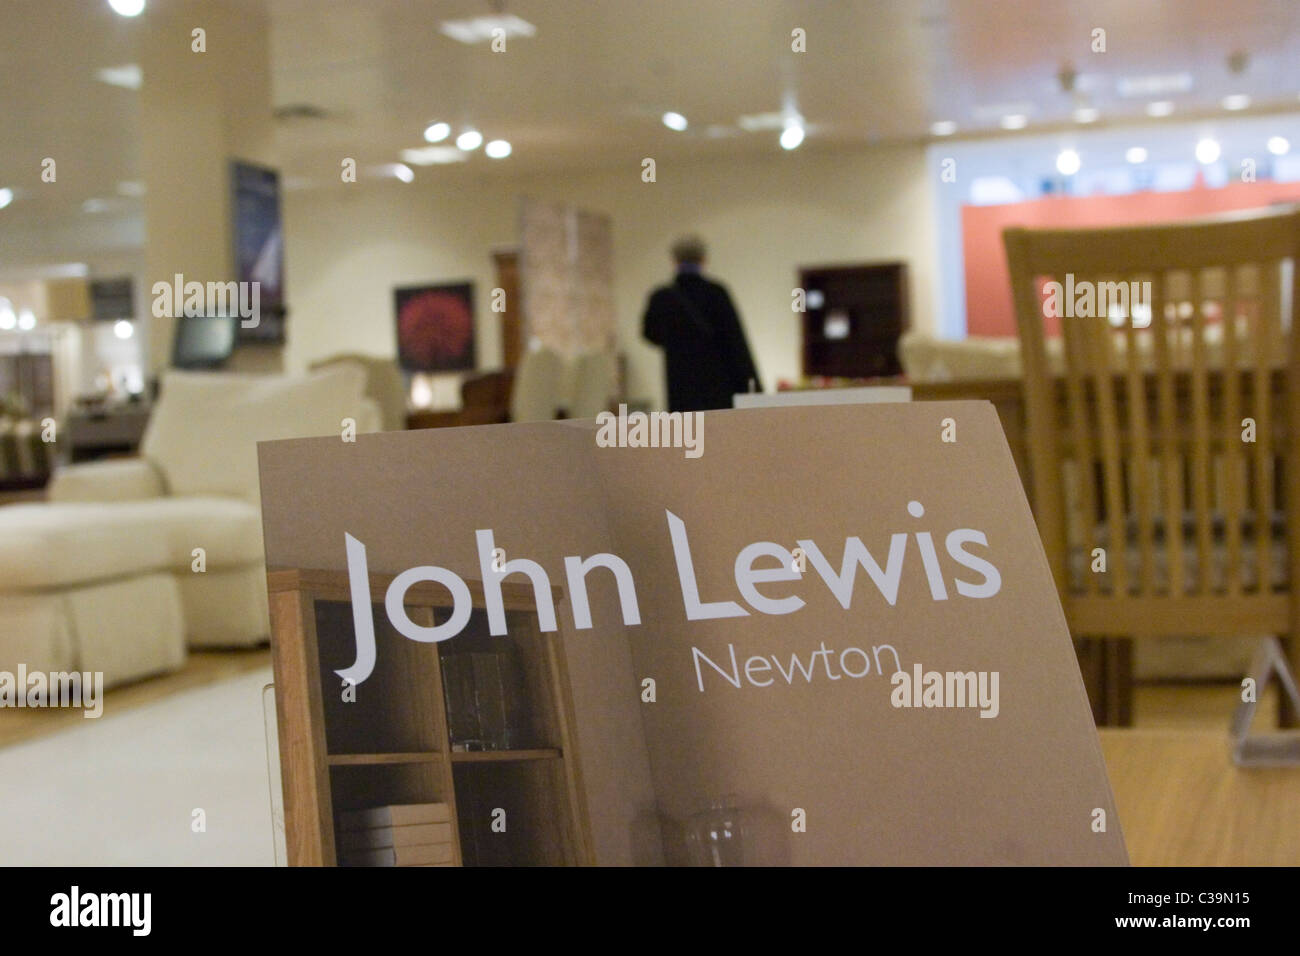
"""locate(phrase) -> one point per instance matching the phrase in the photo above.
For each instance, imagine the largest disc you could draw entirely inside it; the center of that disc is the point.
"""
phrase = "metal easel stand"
(1276, 749)
(273, 776)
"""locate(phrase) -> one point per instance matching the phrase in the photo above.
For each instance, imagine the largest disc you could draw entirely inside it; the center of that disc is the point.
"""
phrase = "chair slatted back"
(1157, 440)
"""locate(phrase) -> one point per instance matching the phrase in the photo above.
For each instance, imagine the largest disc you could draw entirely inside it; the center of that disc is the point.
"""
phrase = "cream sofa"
(980, 358)
(131, 561)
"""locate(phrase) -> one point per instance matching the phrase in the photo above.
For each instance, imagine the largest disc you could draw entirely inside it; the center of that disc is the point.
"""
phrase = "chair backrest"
(1159, 443)
(539, 386)
(384, 384)
(594, 384)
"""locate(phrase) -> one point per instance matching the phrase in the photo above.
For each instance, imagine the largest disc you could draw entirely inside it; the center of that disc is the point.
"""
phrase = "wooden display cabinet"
(392, 744)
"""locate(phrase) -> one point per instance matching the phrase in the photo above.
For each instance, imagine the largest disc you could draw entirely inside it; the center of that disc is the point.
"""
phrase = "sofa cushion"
(229, 530)
(44, 546)
(116, 479)
(56, 545)
(205, 428)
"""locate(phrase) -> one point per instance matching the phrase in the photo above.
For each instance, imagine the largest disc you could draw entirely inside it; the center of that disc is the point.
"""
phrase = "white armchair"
(132, 560)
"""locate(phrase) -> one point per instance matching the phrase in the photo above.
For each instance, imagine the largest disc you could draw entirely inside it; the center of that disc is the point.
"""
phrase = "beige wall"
(348, 246)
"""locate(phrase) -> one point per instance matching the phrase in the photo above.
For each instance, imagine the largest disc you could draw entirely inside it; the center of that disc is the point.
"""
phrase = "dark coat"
(706, 356)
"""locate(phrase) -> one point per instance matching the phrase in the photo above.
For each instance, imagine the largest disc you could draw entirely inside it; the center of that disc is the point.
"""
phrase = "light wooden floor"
(1181, 801)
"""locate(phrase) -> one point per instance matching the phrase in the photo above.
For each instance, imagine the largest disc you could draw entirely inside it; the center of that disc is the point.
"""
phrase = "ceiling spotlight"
(1068, 162)
(1237, 101)
(1160, 108)
(792, 135)
(128, 76)
(6, 196)
(26, 320)
(1279, 145)
(1086, 114)
(436, 133)
(1207, 151)
(432, 155)
(470, 139)
(675, 121)
(943, 128)
(127, 8)
(1136, 154)
(123, 329)
(403, 172)
(7, 318)
(497, 149)
(1015, 121)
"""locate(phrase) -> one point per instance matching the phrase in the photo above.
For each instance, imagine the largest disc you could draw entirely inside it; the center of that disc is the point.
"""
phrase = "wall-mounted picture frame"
(435, 327)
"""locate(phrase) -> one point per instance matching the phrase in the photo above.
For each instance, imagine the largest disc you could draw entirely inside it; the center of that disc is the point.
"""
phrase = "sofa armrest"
(118, 479)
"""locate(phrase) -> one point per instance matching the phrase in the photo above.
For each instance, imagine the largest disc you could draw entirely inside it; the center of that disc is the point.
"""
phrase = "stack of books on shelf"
(410, 834)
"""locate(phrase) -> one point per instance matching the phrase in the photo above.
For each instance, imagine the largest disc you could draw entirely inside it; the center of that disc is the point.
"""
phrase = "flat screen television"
(112, 299)
(203, 341)
(258, 235)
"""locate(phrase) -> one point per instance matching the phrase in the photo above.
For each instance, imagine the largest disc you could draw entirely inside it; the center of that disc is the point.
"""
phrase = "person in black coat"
(706, 356)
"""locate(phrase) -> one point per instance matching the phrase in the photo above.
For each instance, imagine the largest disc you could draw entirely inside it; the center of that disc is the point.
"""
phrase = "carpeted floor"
(124, 789)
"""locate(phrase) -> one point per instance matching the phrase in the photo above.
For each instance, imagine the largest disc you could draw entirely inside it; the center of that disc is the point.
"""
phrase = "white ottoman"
(90, 588)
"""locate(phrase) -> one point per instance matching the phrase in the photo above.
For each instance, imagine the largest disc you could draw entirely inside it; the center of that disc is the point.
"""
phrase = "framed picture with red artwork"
(435, 327)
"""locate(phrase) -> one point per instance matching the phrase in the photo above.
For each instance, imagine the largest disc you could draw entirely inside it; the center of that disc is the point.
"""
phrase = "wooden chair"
(1140, 452)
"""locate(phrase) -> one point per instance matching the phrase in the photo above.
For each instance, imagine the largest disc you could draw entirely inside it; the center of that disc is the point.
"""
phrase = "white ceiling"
(590, 87)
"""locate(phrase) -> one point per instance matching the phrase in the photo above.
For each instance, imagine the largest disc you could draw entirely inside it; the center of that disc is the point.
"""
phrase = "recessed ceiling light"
(1279, 145)
(792, 135)
(403, 172)
(436, 133)
(943, 128)
(1160, 108)
(675, 121)
(1237, 101)
(127, 8)
(128, 76)
(1068, 162)
(7, 317)
(6, 196)
(1135, 155)
(1014, 121)
(482, 29)
(1142, 87)
(470, 139)
(433, 155)
(758, 122)
(1207, 151)
(123, 329)
(130, 188)
(26, 320)
(1086, 114)
(497, 149)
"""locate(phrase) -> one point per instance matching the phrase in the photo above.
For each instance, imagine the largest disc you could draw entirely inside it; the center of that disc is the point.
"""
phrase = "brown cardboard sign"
(840, 615)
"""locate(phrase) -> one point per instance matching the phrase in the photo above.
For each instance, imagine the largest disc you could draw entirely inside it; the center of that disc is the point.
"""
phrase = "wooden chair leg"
(1088, 652)
(1287, 715)
(1106, 664)
(1119, 681)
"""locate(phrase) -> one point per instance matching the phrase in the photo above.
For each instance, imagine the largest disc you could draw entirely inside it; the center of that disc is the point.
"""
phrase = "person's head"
(689, 251)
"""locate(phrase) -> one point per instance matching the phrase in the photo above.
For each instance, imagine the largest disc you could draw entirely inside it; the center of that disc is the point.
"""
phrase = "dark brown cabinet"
(853, 318)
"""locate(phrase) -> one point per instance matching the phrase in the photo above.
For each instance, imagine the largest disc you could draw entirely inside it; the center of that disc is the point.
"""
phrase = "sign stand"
(1265, 749)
